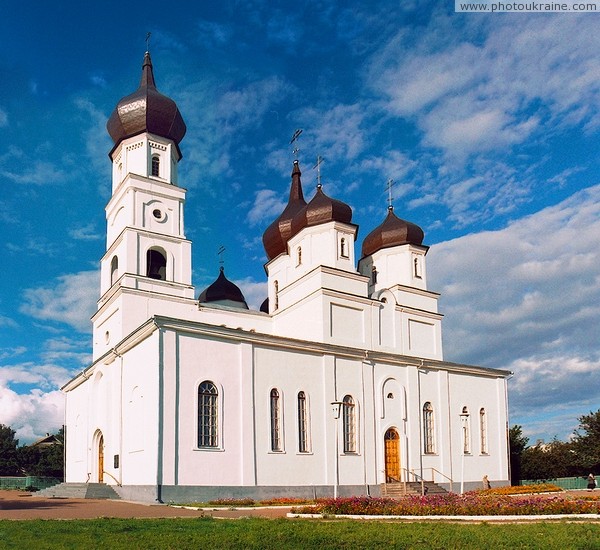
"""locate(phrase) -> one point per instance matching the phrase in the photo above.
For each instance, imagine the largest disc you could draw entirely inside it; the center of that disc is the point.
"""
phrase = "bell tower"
(147, 255)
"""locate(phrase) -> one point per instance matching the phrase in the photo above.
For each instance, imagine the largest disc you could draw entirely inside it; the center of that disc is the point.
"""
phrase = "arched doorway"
(101, 459)
(392, 456)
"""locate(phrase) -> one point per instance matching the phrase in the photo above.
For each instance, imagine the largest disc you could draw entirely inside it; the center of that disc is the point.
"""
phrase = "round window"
(157, 214)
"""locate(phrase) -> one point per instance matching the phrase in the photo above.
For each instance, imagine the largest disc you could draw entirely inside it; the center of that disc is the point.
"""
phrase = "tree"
(586, 442)
(517, 443)
(37, 460)
(9, 463)
(549, 461)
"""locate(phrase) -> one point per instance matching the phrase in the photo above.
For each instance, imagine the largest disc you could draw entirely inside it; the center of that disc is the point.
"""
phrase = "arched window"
(276, 285)
(114, 270)
(349, 424)
(208, 414)
(343, 251)
(156, 264)
(302, 423)
(466, 432)
(417, 267)
(275, 421)
(428, 433)
(483, 431)
(373, 275)
(155, 165)
(299, 256)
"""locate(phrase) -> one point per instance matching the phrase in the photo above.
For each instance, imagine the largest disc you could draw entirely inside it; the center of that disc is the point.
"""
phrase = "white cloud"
(471, 95)
(246, 106)
(31, 415)
(71, 300)
(37, 172)
(215, 34)
(526, 298)
(267, 206)
(47, 376)
(86, 232)
(97, 141)
(340, 132)
(254, 292)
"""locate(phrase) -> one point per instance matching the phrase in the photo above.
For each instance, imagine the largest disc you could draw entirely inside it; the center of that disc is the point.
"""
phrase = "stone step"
(79, 490)
(397, 489)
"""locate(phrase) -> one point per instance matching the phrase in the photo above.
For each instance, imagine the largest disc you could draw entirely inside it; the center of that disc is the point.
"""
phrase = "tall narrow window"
(373, 275)
(302, 423)
(417, 267)
(349, 424)
(275, 421)
(208, 435)
(343, 251)
(276, 286)
(466, 435)
(299, 256)
(114, 270)
(483, 432)
(156, 265)
(155, 165)
(428, 433)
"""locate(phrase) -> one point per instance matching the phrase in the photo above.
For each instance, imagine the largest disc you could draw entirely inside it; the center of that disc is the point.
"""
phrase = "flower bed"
(249, 502)
(451, 504)
(524, 489)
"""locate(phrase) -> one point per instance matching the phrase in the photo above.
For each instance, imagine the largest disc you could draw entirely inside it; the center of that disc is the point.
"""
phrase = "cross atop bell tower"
(147, 253)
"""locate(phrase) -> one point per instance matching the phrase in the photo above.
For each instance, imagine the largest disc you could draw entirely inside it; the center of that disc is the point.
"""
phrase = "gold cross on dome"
(295, 137)
(320, 159)
(389, 184)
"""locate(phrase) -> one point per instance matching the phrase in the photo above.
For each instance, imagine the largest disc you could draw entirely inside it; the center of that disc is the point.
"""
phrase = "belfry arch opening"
(156, 262)
(114, 270)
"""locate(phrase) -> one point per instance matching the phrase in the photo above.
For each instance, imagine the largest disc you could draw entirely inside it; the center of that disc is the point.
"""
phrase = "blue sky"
(488, 124)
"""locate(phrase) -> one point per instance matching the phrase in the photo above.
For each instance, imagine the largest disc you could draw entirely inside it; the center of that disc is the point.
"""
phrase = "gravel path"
(21, 505)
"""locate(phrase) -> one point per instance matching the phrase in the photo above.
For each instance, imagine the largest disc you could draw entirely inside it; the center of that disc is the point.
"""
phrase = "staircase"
(79, 490)
(396, 490)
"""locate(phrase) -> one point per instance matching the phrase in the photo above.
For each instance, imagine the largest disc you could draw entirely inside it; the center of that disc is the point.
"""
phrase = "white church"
(337, 386)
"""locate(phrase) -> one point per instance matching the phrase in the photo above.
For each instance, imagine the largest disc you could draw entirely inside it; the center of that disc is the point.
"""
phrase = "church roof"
(297, 215)
(321, 209)
(223, 292)
(392, 232)
(146, 110)
(276, 236)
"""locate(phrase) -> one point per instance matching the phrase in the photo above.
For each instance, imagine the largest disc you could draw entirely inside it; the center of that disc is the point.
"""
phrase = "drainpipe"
(420, 417)
(364, 363)
(120, 422)
(159, 446)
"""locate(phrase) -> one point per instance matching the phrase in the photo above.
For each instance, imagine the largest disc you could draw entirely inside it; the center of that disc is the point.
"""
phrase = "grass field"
(282, 534)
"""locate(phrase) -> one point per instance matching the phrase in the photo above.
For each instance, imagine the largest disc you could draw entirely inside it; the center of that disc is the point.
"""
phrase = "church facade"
(336, 386)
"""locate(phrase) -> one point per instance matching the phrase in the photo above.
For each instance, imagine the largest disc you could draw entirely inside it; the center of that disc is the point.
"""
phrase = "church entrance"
(392, 456)
(101, 459)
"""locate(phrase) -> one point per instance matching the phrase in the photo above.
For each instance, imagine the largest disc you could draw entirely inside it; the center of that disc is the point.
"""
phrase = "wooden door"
(392, 456)
(101, 459)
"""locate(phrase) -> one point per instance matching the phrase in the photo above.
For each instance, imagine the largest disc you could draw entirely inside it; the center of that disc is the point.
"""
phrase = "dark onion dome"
(276, 236)
(392, 232)
(264, 307)
(223, 292)
(146, 110)
(321, 209)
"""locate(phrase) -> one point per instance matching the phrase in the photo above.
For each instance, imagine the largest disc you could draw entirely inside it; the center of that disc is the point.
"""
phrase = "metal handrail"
(109, 474)
(441, 474)
(411, 475)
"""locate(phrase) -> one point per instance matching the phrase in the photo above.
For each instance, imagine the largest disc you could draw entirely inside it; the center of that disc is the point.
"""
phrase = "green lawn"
(281, 533)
